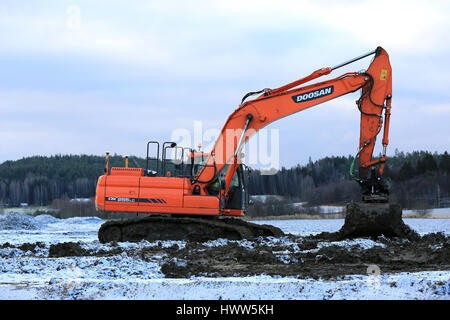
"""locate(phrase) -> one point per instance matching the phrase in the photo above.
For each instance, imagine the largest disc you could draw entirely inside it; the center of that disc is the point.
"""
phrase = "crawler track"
(154, 228)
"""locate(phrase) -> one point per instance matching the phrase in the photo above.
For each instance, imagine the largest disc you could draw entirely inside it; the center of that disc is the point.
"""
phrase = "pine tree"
(444, 164)
(406, 171)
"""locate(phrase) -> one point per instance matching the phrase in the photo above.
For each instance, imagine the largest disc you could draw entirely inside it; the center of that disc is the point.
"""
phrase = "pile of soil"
(67, 249)
(75, 249)
(32, 247)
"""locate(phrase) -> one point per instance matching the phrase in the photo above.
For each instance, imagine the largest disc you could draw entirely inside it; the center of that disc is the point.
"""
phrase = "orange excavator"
(196, 199)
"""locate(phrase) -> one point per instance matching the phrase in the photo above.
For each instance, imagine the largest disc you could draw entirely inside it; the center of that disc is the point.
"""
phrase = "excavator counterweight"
(195, 196)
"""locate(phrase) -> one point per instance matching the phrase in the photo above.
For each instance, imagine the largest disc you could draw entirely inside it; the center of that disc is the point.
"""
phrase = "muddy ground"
(319, 256)
(326, 255)
(305, 257)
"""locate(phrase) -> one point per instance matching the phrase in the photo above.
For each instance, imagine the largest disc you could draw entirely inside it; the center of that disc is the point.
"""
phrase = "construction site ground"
(45, 258)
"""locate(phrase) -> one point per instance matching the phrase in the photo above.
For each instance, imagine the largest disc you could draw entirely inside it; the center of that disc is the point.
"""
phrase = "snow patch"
(45, 219)
(17, 221)
(361, 242)
(420, 285)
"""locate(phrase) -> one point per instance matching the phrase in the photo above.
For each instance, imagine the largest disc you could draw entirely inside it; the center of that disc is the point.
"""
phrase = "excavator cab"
(238, 197)
(162, 165)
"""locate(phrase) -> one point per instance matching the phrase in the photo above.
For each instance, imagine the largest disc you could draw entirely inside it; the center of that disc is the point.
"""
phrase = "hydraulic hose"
(353, 163)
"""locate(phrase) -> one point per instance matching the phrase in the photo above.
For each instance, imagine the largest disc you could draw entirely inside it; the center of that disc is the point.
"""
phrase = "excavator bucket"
(375, 219)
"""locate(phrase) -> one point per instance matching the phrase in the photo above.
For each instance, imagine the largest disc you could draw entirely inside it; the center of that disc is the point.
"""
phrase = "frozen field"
(128, 271)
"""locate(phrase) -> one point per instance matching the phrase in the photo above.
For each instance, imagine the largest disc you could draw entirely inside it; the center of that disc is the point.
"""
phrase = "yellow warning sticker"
(383, 74)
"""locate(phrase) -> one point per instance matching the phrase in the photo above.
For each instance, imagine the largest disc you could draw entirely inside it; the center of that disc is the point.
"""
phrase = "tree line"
(39, 180)
(418, 178)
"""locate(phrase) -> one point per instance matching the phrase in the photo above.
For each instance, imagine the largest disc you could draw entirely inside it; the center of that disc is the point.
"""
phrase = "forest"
(417, 179)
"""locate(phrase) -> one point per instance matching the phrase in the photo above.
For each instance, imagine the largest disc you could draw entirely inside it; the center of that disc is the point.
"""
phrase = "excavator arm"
(273, 104)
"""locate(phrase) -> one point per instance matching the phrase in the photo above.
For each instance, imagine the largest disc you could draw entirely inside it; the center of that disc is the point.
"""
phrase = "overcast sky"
(85, 77)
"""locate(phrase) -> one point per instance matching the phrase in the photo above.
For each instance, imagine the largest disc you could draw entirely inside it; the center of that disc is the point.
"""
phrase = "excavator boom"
(251, 116)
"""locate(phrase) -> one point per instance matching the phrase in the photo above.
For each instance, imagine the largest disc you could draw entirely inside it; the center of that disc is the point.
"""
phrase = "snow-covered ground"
(421, 285)
(34, 275)
(432, 213)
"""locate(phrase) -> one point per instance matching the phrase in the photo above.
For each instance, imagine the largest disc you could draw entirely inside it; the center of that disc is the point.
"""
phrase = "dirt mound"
(74, 249)
(32, 247)
(67, 249)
